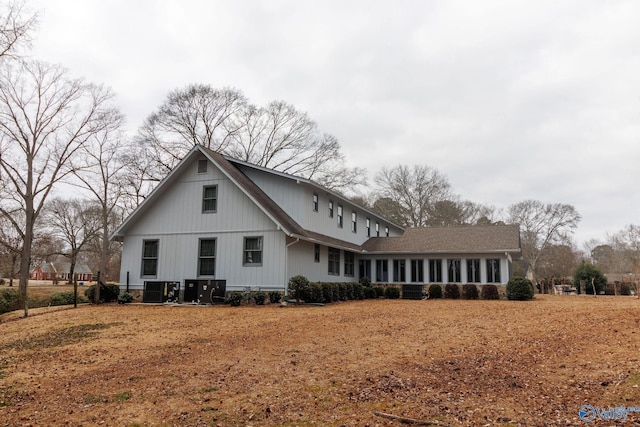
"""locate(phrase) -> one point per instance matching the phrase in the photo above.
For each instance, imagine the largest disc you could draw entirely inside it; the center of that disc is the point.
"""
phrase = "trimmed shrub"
(435, 291)
(108, 292)
(234, 298)
(275, 297)
(327, 292)
(451, 291)
(299, 286)
(519, 289)
(365, 281)
(259, 297)
(342, 291)
(315, 294)
(489, 292)
(65, 298)
(124, 298)
(469, 291)
(379, 291)
(370, 292)
(8, 300)
(358, 291)
(391, 292)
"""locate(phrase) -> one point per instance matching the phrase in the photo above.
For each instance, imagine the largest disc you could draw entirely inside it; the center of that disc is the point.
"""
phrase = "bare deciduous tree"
(415, 190)
(16, 25)
(277, 136)
(45, 119)
(74, 222)
(102, 174)
(541, 226)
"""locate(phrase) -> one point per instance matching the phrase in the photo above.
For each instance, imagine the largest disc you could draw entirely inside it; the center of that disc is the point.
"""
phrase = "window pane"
(207, 248)
(149, 267)
(150, 249)
(210, 199)
(207, 266)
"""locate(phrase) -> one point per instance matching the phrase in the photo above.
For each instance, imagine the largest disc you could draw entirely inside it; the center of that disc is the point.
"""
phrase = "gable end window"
(210, 199)
(207, 257)
(150, 258)
(252, 251)
(202, 166)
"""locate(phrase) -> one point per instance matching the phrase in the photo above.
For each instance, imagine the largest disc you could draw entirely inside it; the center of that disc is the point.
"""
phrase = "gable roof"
(282, 220)
(459, 239)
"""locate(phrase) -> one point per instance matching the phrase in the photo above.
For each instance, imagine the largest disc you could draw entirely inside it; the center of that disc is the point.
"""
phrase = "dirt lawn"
(460, 363)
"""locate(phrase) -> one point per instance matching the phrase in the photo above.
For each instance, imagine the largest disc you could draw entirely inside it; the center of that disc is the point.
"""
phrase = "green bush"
(315, 293)
(234, 298)
(469, 291)
(451, 291)
(259, 297)
(65, 298)
(108, 292)
(8, 300)
(370, 292)
(391, 292)
(365, 281)
(519, 289)
(358, 291)
(349, 289)
(435, 291)
(1, 282)
(379, 291)
(588, 272)
(275, 297)
(342, 292)
(125, 298)
(299, 287)
(489, 292)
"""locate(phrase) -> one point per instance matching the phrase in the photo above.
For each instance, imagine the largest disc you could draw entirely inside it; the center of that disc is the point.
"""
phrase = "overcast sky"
(510, 100)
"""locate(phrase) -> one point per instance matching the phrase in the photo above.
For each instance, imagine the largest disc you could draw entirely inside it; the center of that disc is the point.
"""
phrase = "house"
(60, 270)
(216, 224)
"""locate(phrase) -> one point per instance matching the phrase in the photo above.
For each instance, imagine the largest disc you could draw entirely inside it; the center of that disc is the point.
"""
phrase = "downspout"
(286, 260)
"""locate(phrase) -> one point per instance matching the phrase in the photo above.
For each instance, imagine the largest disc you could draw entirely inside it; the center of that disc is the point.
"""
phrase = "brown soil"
(468, 363)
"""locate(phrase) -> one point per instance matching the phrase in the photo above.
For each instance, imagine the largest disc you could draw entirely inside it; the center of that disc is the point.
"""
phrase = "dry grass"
(468, 363)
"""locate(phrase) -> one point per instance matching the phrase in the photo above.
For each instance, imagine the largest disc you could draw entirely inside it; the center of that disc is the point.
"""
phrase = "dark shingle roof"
(468, 239)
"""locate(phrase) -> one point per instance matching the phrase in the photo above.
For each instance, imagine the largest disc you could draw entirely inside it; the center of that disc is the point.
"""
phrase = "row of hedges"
(469, 291)
(326, 292)
(9, 300)
(236, 298)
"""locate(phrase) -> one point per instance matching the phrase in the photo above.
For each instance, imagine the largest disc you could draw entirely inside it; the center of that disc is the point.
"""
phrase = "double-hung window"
(252, 251)
(330, 208)
(210, 198)
(340, 216)
(349, 264)
(334, 261)
(207, 257)
(382, 270)
(150, 258)
(315, 202)
(368, 222)
(354, 222)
